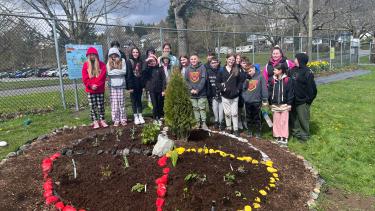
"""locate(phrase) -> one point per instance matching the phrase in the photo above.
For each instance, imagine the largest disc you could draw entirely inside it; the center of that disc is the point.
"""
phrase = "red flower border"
(161, 182)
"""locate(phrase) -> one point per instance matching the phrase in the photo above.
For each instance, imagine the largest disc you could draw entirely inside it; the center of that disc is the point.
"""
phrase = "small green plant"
(196, 177)
(118, 134)
(126, 162)
(150, 133)
(241, 169)
(132, 134)
(174, 158)
(229, 178)
(96, 142)
(139, 188)
(240, 195)
(186, 192)
(106, 171)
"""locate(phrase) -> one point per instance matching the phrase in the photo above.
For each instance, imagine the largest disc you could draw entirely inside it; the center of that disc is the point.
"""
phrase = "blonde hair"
(114, 63)
(93, 70)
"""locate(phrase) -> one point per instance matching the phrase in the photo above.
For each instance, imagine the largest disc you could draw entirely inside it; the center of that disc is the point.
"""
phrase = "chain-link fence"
(33, 71)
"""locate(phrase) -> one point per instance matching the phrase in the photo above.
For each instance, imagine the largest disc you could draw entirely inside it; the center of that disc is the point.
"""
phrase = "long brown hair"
(93, 69)
(115, 63)
(235, 69)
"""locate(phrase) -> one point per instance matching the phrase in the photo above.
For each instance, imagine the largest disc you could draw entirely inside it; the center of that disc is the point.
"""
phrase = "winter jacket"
(123, 56)
(134, 75)
(303, 82)
(196, 78)
(282, 91)
(155, 79)
(98, 81)
(117, 76)
(255, 89)
(212, 89)
(229, 83)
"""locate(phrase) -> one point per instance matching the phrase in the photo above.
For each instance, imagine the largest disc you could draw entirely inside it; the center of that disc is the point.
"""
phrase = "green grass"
(10, 85)
(343, 132)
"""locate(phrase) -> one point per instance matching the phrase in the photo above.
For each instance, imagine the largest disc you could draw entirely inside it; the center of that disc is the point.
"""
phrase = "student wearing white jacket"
(116, 69)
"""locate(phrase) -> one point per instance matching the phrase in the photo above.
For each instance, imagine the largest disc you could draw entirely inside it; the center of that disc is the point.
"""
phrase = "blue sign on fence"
(76, 57)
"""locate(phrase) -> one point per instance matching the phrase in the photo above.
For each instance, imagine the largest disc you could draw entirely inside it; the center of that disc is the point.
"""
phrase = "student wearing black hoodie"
(229, 82)
(304, 94)
(136, 84)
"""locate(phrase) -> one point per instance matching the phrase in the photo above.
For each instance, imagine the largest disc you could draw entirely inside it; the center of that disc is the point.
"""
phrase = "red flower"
(162, 180)
(166, 170)
(161, 192)
(55, 156)
(81, 210)
(159, 209)
(47, 193)
(48, 185)
(159, 202)
(69, 208)
(162, 161)
(46, 165)
(51, 200)
(59, 205)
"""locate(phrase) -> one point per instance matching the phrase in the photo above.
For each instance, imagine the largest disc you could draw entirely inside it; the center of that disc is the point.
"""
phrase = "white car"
(64, 71)
(51, 73)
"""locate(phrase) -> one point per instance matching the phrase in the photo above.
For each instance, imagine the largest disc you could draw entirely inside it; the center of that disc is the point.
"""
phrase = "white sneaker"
(136, 119)
(141, 120)
(3, 143)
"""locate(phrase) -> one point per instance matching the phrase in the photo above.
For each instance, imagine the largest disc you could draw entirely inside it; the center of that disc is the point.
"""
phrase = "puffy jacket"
(155, 79)
(98, 81)
(117, 76)
(212, 89)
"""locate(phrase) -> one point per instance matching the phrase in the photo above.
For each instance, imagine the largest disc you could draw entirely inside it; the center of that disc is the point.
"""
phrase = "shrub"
(318, 66)
(177, 106)
(150, 133)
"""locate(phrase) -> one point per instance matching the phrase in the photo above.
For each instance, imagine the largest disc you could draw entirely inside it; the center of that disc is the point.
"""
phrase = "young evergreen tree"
(178, 109)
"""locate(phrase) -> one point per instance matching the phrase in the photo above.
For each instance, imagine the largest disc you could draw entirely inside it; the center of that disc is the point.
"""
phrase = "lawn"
(11, 85)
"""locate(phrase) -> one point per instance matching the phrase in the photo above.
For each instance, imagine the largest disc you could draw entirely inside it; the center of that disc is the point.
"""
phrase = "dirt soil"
(103, 183)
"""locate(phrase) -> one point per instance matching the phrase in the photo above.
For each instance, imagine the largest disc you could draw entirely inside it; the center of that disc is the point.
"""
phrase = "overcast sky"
(153, 12)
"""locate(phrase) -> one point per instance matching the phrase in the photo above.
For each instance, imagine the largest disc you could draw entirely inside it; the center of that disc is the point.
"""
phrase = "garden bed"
(104, 183)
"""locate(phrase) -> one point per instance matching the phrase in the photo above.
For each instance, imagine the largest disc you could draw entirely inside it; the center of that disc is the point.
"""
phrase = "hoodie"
(303, 81)
(99, 81)
(212, 90)
(281, 91)
(254, 89)
(134, 74)
(117, 76)
(196, 78)
(229, 83)
(155, 79)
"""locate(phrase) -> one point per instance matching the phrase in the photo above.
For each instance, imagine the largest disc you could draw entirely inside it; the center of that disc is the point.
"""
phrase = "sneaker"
(236, 133)
(103, 123)
(123, 122)
(283, 142)
(136, 119)
(204, 126)
(95, 125)
(160, 122)
(141, 120)
(116, 124)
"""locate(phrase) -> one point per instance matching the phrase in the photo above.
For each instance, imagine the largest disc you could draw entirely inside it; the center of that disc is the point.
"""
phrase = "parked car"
(4, 74)
(64, 72)
(52, 73)
(19, 74)
(40, 71)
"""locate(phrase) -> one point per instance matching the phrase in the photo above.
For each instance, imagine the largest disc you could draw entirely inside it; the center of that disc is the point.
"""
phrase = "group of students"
(237, 91)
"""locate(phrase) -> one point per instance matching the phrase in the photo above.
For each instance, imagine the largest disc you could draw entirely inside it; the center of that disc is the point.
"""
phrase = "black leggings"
(157, 104)
(136, 97)
(253, 114)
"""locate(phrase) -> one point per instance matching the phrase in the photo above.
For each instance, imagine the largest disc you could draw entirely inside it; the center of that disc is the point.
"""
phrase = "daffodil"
(272, 180)
(263, 192)
(247, 208)
(271, 170)
(275, 175)
(254, 161)
(256, 205)
(180, 150)
(269, 163)
(272, 185)
(211, 151)
(200, 150)
(257, 199)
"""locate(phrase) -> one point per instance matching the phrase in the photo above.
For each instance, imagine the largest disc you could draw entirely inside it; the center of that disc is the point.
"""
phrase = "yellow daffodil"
(268, 188)
(272, 185)
(263, 192)
(272, 180)
(271, 170)
(180, 150)
(223, 154)
(211, 151)
(231, 156)
(200, 150)
(256, 205)
(275, 175)
(254, 161)
(257, 199)
(247, 208)
(269, 163)
(193, 150)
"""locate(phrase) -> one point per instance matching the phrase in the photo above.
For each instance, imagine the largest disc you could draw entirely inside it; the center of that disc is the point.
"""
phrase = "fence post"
(58, 64)
(329, 54)
(317, 52)
(218, 46)
(341, 52)
(358, 49)
(161, 39)
(253, 51)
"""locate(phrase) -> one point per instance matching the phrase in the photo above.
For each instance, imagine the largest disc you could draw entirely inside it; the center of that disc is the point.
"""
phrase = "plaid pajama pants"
(117, 104)
(96, 102)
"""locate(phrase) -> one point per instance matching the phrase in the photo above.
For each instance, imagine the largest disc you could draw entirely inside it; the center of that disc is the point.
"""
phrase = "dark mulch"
(104, 184)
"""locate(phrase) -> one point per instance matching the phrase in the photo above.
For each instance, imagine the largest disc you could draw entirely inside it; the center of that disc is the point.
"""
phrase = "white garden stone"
(162, 146)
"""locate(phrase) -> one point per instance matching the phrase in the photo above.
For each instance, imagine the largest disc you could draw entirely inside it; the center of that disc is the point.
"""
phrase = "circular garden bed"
(109, 169)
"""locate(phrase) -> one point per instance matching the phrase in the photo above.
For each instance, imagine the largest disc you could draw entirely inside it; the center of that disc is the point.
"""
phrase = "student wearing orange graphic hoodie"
(93, 77)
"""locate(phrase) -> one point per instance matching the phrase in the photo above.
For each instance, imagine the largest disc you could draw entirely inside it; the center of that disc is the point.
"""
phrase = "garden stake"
(213, 205)
(74, 169)
(231, 166)
(126, 163)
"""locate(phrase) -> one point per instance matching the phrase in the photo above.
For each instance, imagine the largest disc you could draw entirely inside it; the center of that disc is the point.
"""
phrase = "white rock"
(3, 143)
(162, 146)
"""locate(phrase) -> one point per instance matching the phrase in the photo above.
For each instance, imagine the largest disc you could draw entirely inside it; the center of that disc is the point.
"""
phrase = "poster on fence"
(76, 56)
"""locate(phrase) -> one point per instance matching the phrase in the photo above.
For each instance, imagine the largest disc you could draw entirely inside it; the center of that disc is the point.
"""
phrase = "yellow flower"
(231, 156)
(272, 180)
(180, 150)
(193, 150)
(200, 150)
(275, 175)
(263, 192)
(211, 151)
(254, 161)
(223, 154)
(257, 199)
(268, 188)
(272, 185)
(247, 208)
(205, 151)
(271, 170)
(256, 205)
(269, 163)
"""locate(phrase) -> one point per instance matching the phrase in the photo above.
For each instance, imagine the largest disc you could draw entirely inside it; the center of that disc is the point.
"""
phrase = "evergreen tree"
(177, 106)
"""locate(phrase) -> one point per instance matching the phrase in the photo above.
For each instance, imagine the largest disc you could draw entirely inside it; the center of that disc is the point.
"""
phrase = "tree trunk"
(181, 33)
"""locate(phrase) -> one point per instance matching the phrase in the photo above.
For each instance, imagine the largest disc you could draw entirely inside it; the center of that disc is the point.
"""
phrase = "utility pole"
(309, 42)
